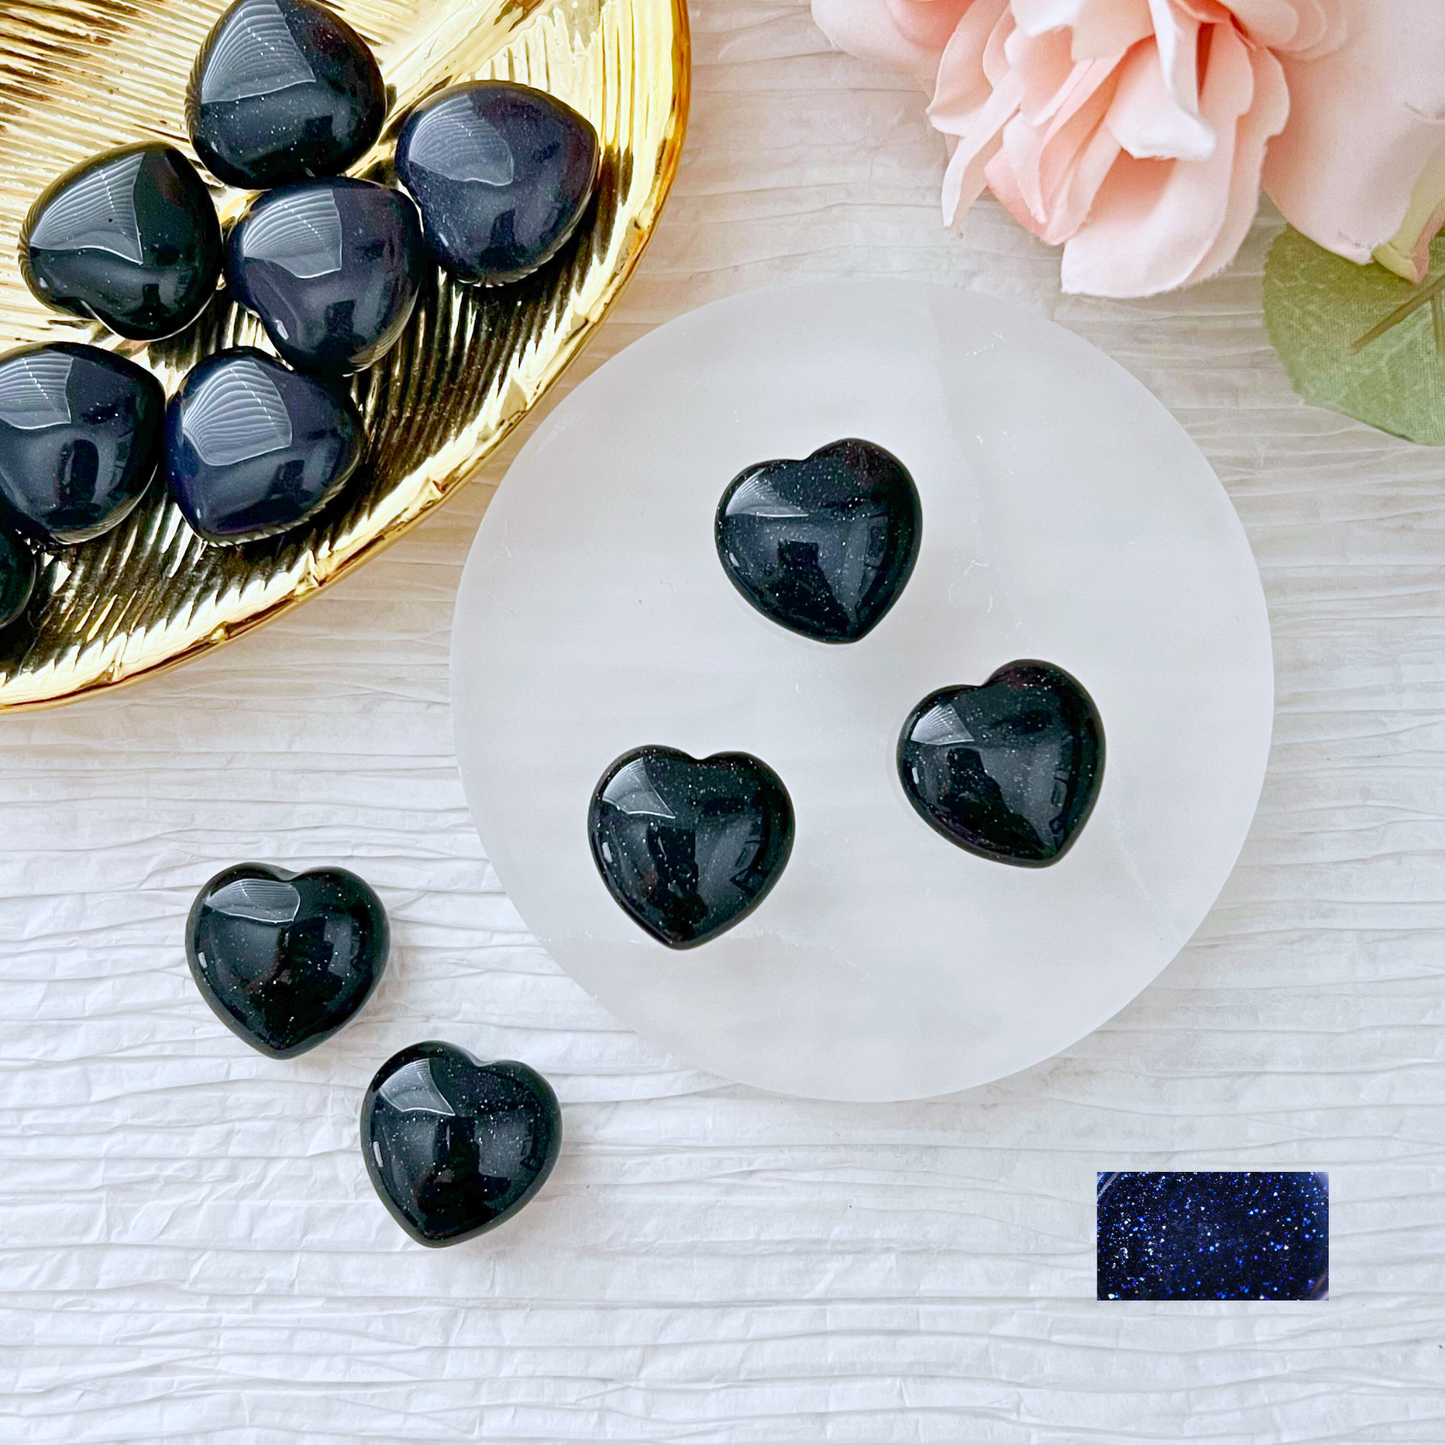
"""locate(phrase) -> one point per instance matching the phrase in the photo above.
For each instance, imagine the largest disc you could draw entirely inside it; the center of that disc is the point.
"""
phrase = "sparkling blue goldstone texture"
(129, 238)
(282, 90)
(1211, 1236)
(455, 1146)
(502, 174)
(332, 268)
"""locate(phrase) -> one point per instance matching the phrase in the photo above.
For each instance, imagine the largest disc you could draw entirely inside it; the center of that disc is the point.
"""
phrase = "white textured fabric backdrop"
(190, 1249)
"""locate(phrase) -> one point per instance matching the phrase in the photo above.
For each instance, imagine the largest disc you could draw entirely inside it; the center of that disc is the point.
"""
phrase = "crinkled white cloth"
(189, 1247)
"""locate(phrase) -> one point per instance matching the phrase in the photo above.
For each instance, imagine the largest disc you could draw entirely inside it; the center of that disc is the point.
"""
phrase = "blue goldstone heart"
(332, 268)
(455, 1146)
(1009, 770)
(282, 90)
(252, 448)
(17, 576)
(689, 848)
(285, 959)
(502, 174)
(824, 546)
(129, 238)
(80, 438)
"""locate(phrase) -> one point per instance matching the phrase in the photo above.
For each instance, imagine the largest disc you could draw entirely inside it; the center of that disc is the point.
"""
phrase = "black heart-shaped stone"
(1010, 769)
(455, 1146)
(285, 959)
(80, 438)
(17, 576)
(824, 546)
(689, 848)
(129, 238)
(502, 174)
(253, 448)
(332, 268)
(282, 90)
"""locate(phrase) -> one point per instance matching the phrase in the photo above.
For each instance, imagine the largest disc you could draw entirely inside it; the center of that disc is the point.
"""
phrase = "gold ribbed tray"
(79, 76)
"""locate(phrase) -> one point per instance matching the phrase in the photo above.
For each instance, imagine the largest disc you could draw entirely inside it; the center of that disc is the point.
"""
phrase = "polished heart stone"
(502, 174)
(17, 576)
(129, 238)
(282, 90)
(80, 438)
(826, 545)
(689, 848)
(1009, 770)
(332, 268)
(285, 959)
(455, 1146)
(252, 448)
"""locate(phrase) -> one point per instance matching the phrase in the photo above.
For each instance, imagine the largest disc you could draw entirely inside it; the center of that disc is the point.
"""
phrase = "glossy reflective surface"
(17, 576)
(130, 238)
(824, 546)
(455, 1146)
(80, 437)
(332, 269)
(253, 448)
(689, 848)
(1009, 770)
(502, 174)
(281, 90)
(285, 959)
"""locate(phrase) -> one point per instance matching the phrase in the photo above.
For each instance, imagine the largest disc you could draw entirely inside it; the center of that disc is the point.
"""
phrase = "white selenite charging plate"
(1066, 517)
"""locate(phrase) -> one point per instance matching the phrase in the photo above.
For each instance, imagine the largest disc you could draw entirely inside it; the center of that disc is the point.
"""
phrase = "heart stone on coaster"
(1009, 770)
(689, 848)
(823, 546)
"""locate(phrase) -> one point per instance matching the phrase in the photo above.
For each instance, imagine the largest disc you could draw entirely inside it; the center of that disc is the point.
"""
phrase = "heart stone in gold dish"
(81, 76)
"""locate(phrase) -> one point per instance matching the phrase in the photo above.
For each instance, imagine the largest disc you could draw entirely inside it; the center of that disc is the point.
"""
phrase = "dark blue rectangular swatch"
(1191, 1236)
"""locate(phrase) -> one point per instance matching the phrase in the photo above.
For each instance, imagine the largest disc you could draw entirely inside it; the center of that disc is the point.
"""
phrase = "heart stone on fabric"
(455, 1146)
(285, 959)
(823, 546)
(689, 848)
(1009, 770)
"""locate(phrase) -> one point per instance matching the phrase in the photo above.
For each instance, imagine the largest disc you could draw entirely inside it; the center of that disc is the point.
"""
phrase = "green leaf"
(1359, 339)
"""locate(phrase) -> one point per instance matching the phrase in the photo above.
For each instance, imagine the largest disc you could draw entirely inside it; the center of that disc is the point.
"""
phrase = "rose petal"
(1154, 222)
(962, 89)
(1365, 121)
(1177, 36)
(1039, 156)
(1044, 65)
(963, 180)
(1267, 22)
(866, 29)
(1264, 118)
(927, 23)
(1065, 168)
(1145, 118)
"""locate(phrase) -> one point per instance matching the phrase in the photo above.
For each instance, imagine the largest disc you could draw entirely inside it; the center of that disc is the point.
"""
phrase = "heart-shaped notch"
(285, 959)
(1010, 769)
(689, 848)
(455, 1146)
(823, 546)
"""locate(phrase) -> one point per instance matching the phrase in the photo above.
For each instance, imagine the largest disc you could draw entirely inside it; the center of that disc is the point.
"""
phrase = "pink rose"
(1135, 132)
